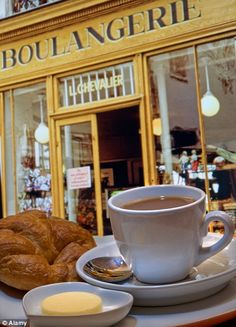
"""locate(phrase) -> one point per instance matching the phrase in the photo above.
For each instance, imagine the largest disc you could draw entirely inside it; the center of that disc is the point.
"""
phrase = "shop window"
(107, 83)
(180, 158)
(217, 72)
(11, 7)
(175, 119)
(28, 178)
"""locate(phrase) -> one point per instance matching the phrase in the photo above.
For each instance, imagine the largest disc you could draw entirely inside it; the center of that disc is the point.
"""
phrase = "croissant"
(36, 250)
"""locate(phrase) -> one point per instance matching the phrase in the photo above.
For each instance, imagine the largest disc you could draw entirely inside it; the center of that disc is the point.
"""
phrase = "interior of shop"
(120, 145)
(120, 153)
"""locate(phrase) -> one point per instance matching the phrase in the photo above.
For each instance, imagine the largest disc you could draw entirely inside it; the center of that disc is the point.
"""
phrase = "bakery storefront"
(98, 98)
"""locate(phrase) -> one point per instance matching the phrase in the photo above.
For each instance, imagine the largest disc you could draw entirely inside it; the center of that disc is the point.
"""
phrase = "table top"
(212, 310)
(209, 311)
(206, 312)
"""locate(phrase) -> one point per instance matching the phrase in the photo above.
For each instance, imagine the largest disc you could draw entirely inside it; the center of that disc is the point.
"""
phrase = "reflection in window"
(217, 71)
(11, 7)
(175, 118)
(27, 140)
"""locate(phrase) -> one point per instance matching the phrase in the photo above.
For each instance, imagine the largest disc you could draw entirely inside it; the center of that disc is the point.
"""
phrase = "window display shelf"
(36, 192)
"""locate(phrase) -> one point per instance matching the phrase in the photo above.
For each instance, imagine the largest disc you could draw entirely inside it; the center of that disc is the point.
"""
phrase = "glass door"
(79, 172)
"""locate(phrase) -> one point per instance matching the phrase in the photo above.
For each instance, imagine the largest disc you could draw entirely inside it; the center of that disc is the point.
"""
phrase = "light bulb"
(156, 126)
(41, 133)
(210, 104)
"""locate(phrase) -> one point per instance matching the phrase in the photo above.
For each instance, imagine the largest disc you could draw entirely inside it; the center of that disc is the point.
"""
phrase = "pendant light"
(209, 103)
(156, 126)
(41, 133)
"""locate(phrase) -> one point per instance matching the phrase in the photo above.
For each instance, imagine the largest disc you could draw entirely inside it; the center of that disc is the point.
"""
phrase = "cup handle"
(206, 252)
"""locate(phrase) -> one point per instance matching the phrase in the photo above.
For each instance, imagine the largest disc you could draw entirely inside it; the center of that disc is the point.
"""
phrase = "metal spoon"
(108, 269)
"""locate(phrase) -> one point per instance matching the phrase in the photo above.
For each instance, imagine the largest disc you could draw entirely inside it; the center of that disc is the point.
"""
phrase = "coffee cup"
(160, 230)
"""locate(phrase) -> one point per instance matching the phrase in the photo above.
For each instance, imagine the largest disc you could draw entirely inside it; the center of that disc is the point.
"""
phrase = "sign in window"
(107, 83)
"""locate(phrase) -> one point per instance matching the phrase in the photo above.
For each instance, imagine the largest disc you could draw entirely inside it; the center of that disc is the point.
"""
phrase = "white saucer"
(212, 276)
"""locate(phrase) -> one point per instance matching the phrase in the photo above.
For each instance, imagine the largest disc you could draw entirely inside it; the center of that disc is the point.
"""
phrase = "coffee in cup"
(159, 230)
(157, 203)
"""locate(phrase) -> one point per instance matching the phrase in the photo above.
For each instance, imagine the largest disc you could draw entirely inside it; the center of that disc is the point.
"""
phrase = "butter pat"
(71, 304)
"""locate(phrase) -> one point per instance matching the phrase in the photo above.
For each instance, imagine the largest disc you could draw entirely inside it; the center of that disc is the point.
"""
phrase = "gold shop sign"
(107, 83)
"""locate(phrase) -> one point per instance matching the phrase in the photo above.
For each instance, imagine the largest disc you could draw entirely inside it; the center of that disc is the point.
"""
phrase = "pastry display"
(36, 250)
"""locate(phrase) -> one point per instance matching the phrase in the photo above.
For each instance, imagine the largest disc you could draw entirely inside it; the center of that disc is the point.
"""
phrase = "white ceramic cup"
(163, 246)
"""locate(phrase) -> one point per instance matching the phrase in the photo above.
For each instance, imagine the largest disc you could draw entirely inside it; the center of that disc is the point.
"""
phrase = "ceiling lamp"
(41, 133)
(209, 103)
(156, 126)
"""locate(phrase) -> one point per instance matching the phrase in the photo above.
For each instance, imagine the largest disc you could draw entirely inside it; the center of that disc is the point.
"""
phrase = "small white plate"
(211, 276)
(116, 306)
